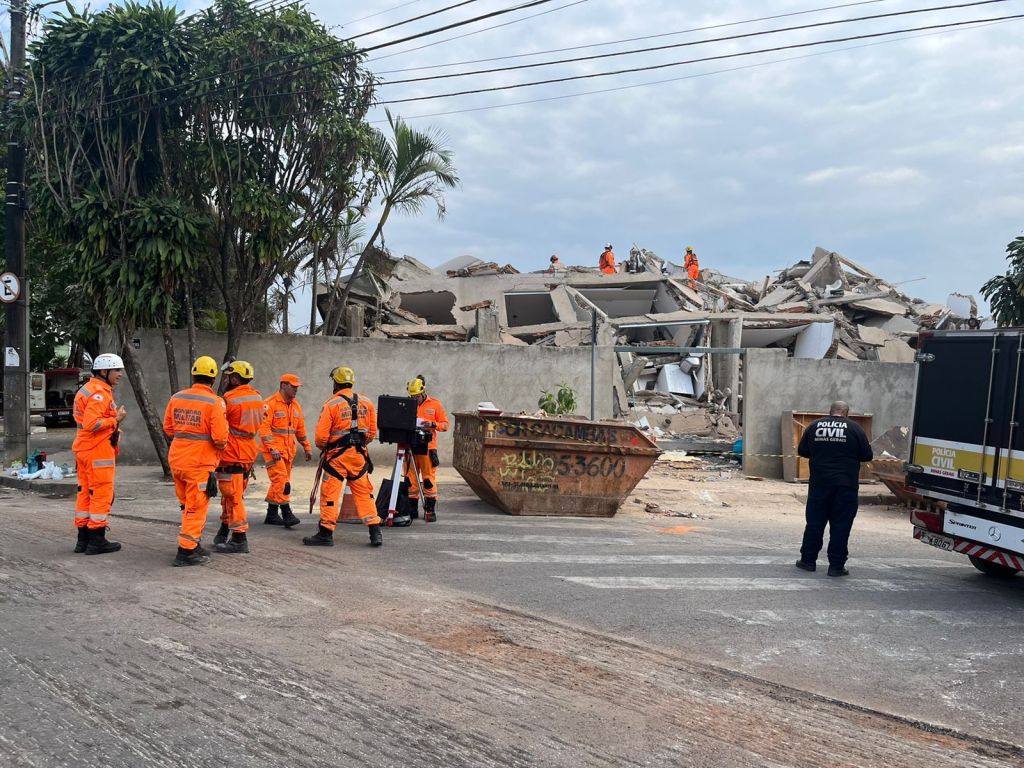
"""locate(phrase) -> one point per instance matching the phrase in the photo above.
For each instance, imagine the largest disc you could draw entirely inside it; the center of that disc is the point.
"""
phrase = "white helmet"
(107, 362)
(607, 246)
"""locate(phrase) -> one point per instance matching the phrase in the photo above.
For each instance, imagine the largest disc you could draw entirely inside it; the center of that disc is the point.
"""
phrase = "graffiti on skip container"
(561, 430)
(528, 467)
(535, 471)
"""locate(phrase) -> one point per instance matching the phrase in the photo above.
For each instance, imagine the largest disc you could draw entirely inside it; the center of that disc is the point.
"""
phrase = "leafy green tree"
(412, 167)
(282, 143)
(103, 142)
(1005, 293)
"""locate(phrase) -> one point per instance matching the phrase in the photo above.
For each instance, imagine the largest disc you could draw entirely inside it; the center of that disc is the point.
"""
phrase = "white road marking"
(795, 584)
(872, 619)
(525, 537)
(558, 558)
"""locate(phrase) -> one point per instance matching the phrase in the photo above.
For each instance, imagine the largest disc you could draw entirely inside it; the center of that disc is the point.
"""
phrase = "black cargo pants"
(835, 507)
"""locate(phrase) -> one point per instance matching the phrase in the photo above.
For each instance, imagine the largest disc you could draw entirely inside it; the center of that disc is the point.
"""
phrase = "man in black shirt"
(835, 447)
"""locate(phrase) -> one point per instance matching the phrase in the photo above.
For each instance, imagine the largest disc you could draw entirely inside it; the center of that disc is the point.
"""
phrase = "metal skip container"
(551, 466)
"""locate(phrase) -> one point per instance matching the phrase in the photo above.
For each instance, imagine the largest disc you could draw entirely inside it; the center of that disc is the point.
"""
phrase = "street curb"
(48, 487)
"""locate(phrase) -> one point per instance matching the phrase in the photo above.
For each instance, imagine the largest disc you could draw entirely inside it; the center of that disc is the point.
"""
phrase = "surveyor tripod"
(403, 454)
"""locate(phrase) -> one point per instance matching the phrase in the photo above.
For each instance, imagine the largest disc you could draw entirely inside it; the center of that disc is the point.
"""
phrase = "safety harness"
(354, 439)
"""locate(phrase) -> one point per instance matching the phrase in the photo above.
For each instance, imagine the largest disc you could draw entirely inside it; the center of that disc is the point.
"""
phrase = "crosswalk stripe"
(519, 538)
(795, 584)
(559, 558)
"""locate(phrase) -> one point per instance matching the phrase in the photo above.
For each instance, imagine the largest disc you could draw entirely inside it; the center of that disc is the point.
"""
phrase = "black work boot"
(222, 535)
(197, 556)
(289, 519)
(375, 536)
(413, 508)
(805, 566)
(273, 518)
(430, 510)
(837, 571)
(98, 544)
(324, 537)
(83, 540)
(238, 544)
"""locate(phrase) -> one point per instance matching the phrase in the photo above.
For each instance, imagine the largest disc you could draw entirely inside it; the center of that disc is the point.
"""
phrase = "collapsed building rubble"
(676, 339)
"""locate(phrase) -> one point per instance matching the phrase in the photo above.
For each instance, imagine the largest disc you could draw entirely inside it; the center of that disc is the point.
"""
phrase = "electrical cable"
(602, 44)
(755, 65)
(719, 57)
(689, 43)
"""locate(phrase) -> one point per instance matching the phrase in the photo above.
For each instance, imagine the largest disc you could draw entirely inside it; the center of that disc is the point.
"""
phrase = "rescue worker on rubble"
(197, 424)
(556, 265)
(691, 264)
(283, 426)
(431, 416)
(607, 262)
(347, 424)
(98, 418)
(244, 409)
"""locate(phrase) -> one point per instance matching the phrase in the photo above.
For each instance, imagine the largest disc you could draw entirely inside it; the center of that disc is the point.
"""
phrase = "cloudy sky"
(906, 156)
(904, 153)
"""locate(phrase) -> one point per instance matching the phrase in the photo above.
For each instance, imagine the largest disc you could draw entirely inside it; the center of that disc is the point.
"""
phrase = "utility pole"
(13, 285)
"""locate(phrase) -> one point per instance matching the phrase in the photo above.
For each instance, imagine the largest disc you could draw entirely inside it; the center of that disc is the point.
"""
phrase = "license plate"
(63, 413)
(938, 540)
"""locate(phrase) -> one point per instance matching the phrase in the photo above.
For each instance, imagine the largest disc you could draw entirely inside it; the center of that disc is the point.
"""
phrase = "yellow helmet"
(205, 366)
(415, 387)
(689, 248)
(242, 368)
(342, 375)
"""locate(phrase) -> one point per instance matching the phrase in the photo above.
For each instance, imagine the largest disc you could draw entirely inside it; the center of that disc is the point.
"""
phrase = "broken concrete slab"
(896, 351)
(880, 307)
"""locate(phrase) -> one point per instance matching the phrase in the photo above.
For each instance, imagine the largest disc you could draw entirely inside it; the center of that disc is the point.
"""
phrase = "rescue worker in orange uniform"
(95, 447)
(282, 426)
(607, 262)
(431, 416)
(197, 424)
(692, 265)
(244, 406)
(347, 424)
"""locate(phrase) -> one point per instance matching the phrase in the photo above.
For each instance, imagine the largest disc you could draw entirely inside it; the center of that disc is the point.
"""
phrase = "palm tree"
(413, 166)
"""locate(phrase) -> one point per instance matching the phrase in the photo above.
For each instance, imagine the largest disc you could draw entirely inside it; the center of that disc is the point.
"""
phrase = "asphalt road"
(490, 640)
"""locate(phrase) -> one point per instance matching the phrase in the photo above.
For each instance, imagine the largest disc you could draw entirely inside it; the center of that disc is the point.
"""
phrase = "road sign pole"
(16, 338)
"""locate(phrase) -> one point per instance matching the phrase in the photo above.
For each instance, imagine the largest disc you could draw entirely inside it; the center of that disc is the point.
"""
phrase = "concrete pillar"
(728, 333)
(354, 321)
(488, 328)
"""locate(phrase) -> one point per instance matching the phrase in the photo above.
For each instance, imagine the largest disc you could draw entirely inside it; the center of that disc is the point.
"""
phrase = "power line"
(610, 42)
(485, 29)
(689, 43)
(559, 97)
(719, 57)
(379, 13)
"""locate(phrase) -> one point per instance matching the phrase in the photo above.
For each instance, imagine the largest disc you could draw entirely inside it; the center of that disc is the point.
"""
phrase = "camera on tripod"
(396, 423)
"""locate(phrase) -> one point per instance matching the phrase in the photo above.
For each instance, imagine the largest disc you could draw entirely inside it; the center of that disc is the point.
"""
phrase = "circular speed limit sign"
(10, 287)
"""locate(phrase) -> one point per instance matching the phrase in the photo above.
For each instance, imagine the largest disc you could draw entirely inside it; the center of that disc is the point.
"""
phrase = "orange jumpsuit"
(346, 463)
(429, 410)
(245, 415)
(95, 414)
(692, 266)
(196, 421)
(607, 263)
(282, 426)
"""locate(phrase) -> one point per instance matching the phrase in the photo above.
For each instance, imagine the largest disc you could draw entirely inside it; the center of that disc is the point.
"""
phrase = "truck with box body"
(967, 446)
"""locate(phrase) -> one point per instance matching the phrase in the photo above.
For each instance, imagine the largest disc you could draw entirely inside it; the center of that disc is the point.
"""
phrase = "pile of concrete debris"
(661, 323)
(873, 320)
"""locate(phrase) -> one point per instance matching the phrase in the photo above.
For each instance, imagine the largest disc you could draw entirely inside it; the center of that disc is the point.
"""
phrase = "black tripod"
(403, 454)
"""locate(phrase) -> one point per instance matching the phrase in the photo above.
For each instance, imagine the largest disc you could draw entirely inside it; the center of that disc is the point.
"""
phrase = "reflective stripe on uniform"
(101, 518)
(241, 433)
(97, 426)
(247, 399)
(84, 391)
(199, 398)
(82, 514)
(188, 538)
(283, 431)
(190, 436)
(103, 463)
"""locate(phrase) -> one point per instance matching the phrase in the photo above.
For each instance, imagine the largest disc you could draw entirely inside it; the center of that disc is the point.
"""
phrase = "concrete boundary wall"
(774, 383)
(459, 374)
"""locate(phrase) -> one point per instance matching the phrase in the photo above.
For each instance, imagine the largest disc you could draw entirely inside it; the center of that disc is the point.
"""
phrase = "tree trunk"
(190, 323)
(235, 330)
(336, 321)
(142, 397)
(172, 363)
(316, 270)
